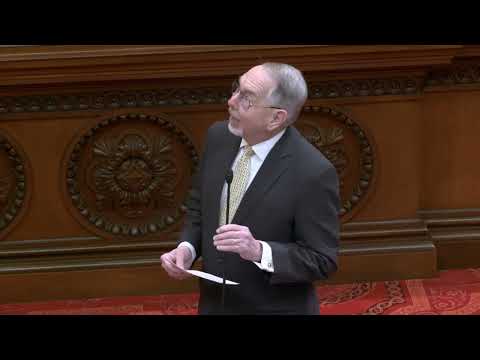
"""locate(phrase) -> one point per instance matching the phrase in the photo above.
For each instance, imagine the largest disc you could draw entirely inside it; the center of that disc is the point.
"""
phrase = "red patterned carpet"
(454, 292)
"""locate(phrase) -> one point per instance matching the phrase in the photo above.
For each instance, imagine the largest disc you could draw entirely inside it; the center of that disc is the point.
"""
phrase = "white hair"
(291, 90)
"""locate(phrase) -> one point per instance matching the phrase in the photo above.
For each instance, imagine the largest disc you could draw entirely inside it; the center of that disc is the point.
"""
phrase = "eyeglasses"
(245, 100)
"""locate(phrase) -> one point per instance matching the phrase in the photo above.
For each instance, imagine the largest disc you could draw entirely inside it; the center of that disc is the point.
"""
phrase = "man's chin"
(235, 131)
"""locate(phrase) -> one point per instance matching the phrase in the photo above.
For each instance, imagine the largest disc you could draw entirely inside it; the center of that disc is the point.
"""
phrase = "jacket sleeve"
(192, 230)
(313, 253)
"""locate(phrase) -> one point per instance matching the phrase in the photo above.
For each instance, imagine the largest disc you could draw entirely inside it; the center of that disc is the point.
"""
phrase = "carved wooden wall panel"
(128, 176)
(395, 128)
(45, 140)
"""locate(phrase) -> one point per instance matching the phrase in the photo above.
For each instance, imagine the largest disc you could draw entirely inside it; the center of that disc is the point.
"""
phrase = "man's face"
(248, 116)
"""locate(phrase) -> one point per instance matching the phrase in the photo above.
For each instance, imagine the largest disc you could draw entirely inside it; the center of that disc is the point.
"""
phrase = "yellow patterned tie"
(241, 174)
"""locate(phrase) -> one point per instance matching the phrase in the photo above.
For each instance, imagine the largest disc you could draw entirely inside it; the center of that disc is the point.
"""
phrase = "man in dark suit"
(283, 234)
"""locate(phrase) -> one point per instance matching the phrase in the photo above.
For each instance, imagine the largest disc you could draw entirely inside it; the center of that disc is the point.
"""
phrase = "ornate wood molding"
(450, 233)
(76, 246)
(78, 262)
(14, 185)
(392, 250)
(456, 234)
(114, 100)
(407, 85)
(356, 238)
(70, 63)
(55, 52)
(355, 231)
(362, 73)
(103, 100)
(458, 74)
(451, 225)
(71, 260)
(384, 247)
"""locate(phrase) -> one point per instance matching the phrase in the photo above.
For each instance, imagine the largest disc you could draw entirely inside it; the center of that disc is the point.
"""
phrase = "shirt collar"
(262, 149)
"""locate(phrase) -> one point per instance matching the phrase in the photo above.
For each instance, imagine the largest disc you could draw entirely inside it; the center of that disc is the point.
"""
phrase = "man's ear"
(279, 120)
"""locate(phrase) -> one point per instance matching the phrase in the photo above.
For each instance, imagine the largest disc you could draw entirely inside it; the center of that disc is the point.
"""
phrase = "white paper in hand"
(210, 277)
(206, 276)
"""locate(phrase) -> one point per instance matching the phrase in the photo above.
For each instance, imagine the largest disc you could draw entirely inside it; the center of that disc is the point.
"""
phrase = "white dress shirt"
(261, 151)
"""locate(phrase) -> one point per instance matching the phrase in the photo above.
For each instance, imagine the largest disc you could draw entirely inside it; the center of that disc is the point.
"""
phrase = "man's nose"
(232, 101)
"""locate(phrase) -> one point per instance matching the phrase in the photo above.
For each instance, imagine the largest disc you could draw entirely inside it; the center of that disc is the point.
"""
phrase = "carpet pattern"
(454, 292)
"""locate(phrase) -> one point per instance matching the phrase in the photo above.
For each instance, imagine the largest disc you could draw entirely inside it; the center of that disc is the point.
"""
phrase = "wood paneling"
(451, 130)
(399, 122)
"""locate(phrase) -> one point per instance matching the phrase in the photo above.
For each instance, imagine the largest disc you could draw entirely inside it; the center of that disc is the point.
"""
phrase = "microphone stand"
(228, 179)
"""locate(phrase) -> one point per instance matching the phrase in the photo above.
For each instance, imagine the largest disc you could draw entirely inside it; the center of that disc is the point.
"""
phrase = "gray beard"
(235, 132)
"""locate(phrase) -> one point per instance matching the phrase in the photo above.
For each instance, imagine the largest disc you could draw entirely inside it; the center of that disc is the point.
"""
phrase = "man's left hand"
(238, 239)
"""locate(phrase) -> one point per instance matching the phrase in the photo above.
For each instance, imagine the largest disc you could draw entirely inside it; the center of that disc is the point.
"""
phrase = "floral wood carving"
(345, 144)
(128, 175)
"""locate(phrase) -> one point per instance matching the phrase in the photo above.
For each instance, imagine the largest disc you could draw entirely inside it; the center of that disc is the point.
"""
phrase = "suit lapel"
(275, 164)
(221, 162)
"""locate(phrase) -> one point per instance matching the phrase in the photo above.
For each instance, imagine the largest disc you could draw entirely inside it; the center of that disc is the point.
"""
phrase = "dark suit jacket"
(292, 204)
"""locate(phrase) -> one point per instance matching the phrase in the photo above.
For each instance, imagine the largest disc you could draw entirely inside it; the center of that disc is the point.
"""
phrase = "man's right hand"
(177, 261)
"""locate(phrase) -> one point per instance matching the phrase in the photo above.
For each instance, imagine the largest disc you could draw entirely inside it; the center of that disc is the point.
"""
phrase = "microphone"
(228, 179)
